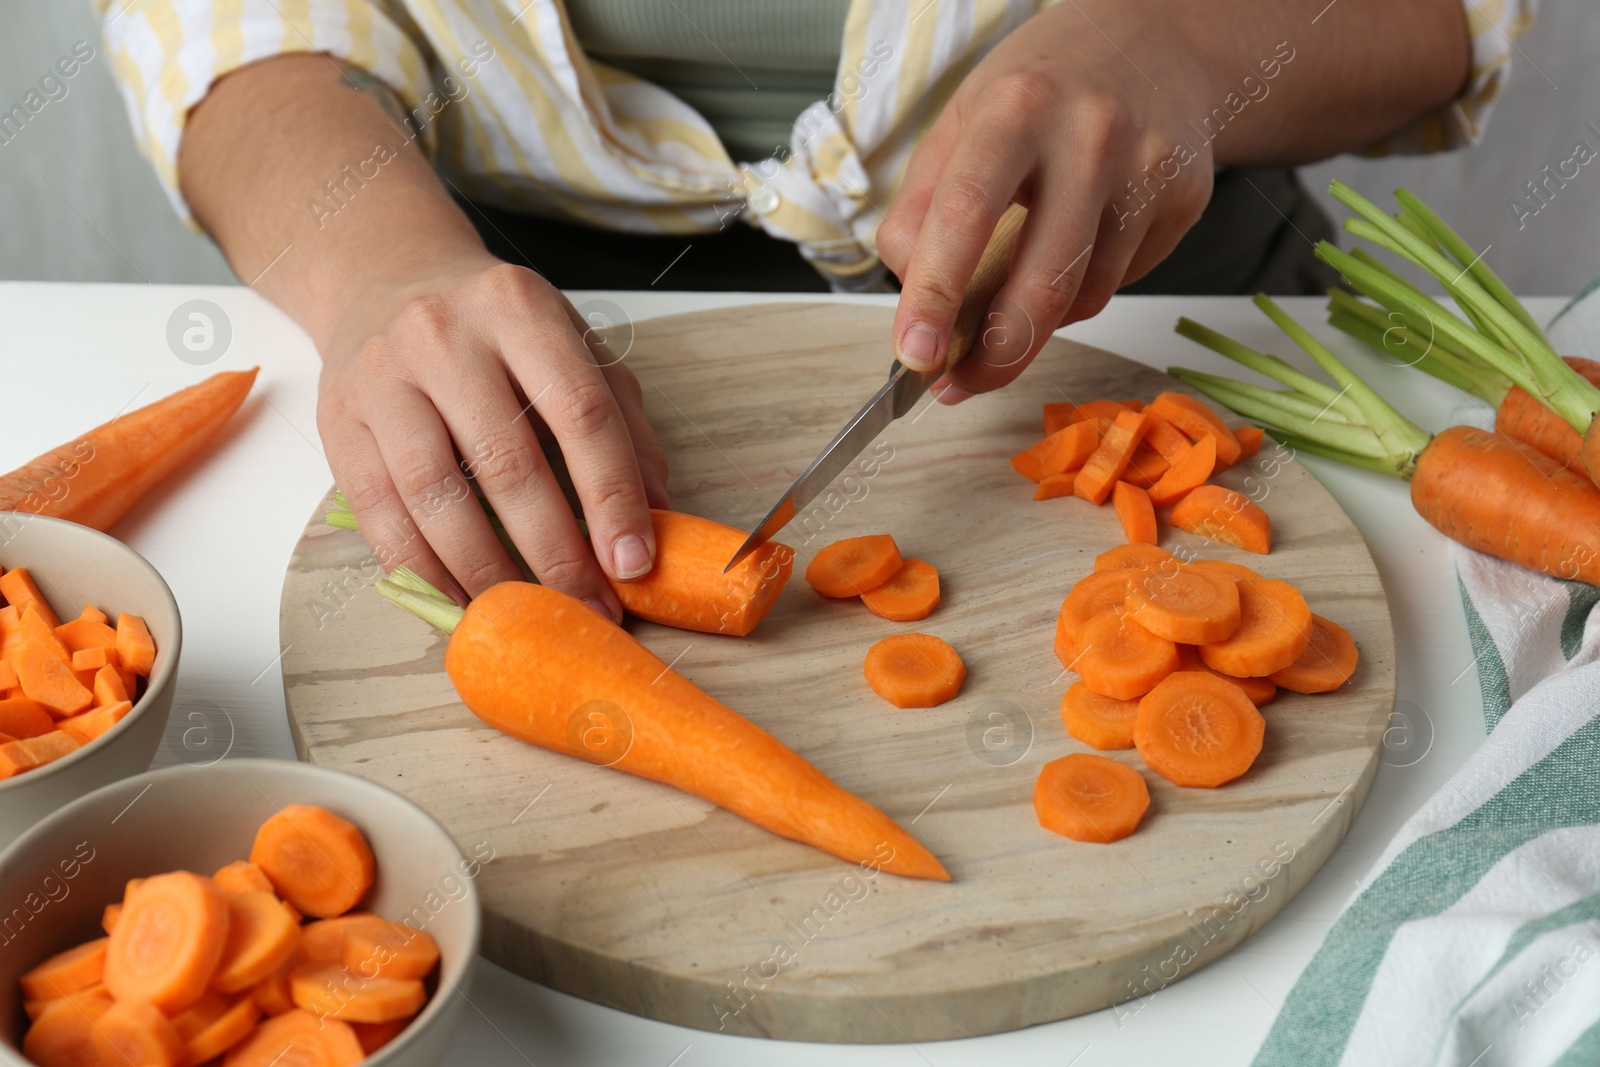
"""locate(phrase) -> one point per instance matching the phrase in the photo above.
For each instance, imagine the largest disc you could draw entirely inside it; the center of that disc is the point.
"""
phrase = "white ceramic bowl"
(56, 878)
(74, 566)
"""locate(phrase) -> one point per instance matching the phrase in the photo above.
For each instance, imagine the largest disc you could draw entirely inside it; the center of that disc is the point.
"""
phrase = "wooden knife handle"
(986, 282)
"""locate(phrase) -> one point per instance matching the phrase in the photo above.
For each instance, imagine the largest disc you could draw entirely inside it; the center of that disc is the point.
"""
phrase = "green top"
(750, 67)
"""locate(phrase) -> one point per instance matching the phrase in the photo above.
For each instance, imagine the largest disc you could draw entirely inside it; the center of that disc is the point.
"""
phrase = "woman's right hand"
(483, 360)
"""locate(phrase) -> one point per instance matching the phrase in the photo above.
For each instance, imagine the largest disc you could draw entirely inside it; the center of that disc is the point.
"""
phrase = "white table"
(222, 530)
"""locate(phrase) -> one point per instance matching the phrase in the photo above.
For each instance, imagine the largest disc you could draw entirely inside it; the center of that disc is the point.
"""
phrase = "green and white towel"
(1475, 942)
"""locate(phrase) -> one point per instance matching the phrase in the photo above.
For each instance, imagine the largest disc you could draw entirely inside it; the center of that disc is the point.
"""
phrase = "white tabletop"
(222, 529)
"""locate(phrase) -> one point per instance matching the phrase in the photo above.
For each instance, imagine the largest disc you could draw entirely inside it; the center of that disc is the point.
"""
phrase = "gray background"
(80, 204)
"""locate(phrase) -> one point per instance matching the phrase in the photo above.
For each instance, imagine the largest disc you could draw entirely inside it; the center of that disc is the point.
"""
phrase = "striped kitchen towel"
(1475, 942)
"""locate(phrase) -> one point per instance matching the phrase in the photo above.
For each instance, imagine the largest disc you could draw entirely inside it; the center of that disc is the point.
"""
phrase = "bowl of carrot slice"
(248, 913)
(89, 643)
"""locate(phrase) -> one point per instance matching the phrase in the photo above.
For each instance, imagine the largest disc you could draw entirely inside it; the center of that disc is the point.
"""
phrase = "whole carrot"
(94, 479)
(545, 668)
(1522, 417)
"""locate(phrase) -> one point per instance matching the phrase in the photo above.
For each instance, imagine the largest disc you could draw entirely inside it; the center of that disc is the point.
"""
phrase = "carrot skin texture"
(109, 468)
(518, 659)
(687, 589)
(1522, 418)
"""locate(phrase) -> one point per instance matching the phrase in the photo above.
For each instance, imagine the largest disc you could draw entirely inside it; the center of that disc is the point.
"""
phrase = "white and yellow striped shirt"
(514, 113)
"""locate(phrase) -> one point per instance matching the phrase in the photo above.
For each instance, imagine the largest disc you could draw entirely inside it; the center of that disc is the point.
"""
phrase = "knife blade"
(896, 396)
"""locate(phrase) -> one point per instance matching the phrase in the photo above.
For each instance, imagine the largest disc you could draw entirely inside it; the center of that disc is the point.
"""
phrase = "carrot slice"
(1120, 659)
(272, 994)
(22, 717)
(88, 725)
(914, 670)
(1090, 798)
(48, 680)
(226, 1031)
(1165, 438)
(135, 645)
(1224, 515)
(315, 860)
(332, 991)
(166, 945)
(135, 1032)
(63, 1034)
(1095, 593)
(1055, 485)
(108, 687)
(20, 590)
(1145, 467)
(1102, 469)
(1274, 629)
(1227, 568)
(393, 951)
(854, 565)
(28, 753)
(66, 972)
(1133, 509)
(1188, 472)
(1099, 722)
(911, 593)
(323, 941)
(241, 876)
(1249, 438)
(299, 1038)
(8, 678)
(261, 938)
(374, 1036)
(1185, 605)
(1196, 729)
(1197, 420)
(1261, 691)
(1061, 415)
(1326, 664)
(1062, 450)
(202, 1013)
(1133, 557)
(109, 916)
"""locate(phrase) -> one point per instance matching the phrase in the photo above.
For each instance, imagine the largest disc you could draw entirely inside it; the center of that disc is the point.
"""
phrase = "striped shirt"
(514, 113)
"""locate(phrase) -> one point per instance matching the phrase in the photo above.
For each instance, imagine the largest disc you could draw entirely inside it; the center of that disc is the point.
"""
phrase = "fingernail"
(951, 395)
(600, 608)
(629, 556)
(919, 347)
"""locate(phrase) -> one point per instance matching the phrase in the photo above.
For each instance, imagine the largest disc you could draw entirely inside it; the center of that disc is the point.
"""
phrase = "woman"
(346, 154)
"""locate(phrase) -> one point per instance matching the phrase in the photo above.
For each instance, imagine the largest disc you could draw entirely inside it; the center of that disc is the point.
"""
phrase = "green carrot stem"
(345, 520)
(1443, 365)
(1264, 405)
(421, 599)
(1341, 300)
(1365, 230)
(1401, 469)
(1269, 365)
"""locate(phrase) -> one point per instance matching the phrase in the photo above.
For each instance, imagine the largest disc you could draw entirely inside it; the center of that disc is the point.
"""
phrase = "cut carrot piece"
(323, 941)
(394, 951)
(241, 876)
(1094, 594)
(1185, 605)
(88, 725)
(1120, 659)
(1064, 414)
(230, 1028)
(1227, 568)
(82, 634)
(1102, 469)
(135, 1032)
(261, 938)
(35, 1008)
(1259, 690)
(10, 632)
(1062, 450)
(1054, 485)
(108, 687)
(66, 972)
(1196, 729)
(168, 941)
(1187, 473)
(914, 670)
(1165, 438)
(48, 680)
(1145, 467)
(1249, 438)
(1198, 420)
(20, 591)
(88, 659)
(1090, 798)
(36, 630)
(911, 593)
(63, 1034)
(1133, 557)
(8, 677)
(298, 1038)
(27, 753)
(201, 1014)
(1274, 629)
(1219, 514)
(1099, 722)
(109, 916)
(1326, 664)
(315, 860)
(374, 1036)
(854, 565)
(135, 645)
(330, 990)
(272, 994)
(1138, 518)
(22, 717)
(90, 613)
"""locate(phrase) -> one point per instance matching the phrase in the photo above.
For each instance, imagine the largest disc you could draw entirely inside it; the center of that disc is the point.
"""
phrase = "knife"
(897, 395)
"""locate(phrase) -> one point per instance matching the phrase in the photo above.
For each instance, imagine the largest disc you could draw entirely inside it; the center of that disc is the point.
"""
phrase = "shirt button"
(764, 200)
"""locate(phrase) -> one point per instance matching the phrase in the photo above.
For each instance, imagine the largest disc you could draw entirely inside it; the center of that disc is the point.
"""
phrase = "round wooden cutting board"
(638, 896)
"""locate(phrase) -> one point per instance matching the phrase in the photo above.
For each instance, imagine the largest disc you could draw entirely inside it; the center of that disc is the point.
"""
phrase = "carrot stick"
(261, 938)
(1054, 485)
(108, 687)
(1146, 466)
(1260, 691)
(332, 991)
(1120, 659)
(854, 565)
(1327, 663)
(1196, 729)
(166, 945)
(1274, 629)
(1059, 416)
(89, 659)
(36, 630)
(1198, 420)
(1134, 511)
(538, 665)
(229, 1028)
(1250, 438)
(298, 1037)
(687, 588)
(911, 593)
(1063, 450)
(1225, 515)
(24, 754)
(1165, 438)
(135, 1032)
(1099, 722)
(135, 647)
(1185, 605)
(392, 951)
(914, 670)
(1187, 472)
(1133, 557)
(1102, 470)
(88, 725)
(109, 468)
(20, 590)
(66, 972)
(1090, 798)
(315, 860)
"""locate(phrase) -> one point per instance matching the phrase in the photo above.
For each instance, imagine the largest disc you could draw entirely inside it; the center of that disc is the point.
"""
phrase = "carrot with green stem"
(545, 668)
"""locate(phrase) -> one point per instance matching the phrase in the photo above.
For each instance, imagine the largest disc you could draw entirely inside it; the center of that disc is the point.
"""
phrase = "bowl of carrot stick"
(247, 913)
(89, 644)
